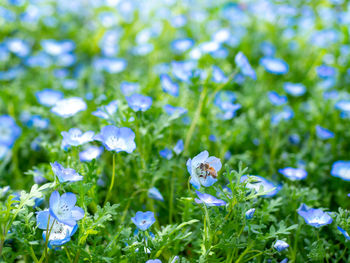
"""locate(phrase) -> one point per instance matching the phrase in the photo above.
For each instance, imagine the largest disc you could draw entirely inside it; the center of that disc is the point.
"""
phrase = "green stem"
(112, 180)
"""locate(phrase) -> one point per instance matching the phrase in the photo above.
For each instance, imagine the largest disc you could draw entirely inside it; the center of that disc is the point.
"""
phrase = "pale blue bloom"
(199, 175)
(243, 64)
(168, 85)
(286, 114)
(179, 147)
(110, 65)
(280, 245)
(9, 131)
(69, 107)
(92, 152)
(277, 99)
(129, 88)
(208, 199)
(65, 174)
(341, 169)
(63, 208)
(294, 174)
(171, 110)
(48, 97)
(218, 76)
(274, 65)
(154, 261)
(166, 153)
(183, 70)
(314, 217)
(325, 71)
(106, 111)
(138, 102)
(250, 213)
(75, 137)
(270, 188)
(294, 89)
(343, 105)
(155, 194)
(323, 133)
(143, 220)
(17, 46)
(56, 47)
(117, 139)
(182, 45)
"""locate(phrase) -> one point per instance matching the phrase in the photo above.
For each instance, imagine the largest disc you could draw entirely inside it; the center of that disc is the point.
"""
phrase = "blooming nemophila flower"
(155, 194)
(345, 234)
(69, 107)
(48, 97)
(209, 200)
(138, 102)
(75, 137)
(90, 153)
(154, 261)
(277, 99)
(274, 65)
(323, 133)
(166, 153)
(218, 76)
(280, 245)
(110, 65)
(343, 105)
(171, 110)
(63, 208)
(183, 70)
(57, 48)
(179, 147)
(129, 88)
(143, 220)
(17, 46)
(117, 139)
(168, 85)
(269, 187)
(314, 217)
(250, 213)
(182, 45)
(284, 115)
(293, 174)
(294, 89)
(9, 131)
(107, 111)
(224, 100)
(341, 169)
(60, 233)
(203, 169)
(325, 71)
(243, 64)
(65, 174)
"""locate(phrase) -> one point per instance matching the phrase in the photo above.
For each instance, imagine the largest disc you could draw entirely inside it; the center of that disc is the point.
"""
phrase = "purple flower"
(117, 139)
(75, 137)
(65, 174)
(243, 64)
(209, 200)
(314, 217)
(143, 220)
(138, 102)
(294, 174)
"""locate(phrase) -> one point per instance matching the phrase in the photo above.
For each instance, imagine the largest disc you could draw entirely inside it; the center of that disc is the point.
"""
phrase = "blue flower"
(75, 137)
(209, 200)
(323, 133)
(277, 99)
(110, 65)
(117, 139)
(218, 76)
(60, 233)
(155, 194)
(57, 48)
(343, 105)
(294, 174)
(250, 213)
(143, 220)
(325, 71)
(182, 45)
(286, 114)
(314, 217)
(179, 147)
(224, 100)
(168, 85)
(65, 174)
(18, 46)
(9, 131)
(154, 261)
(280, 245)
(274, 65)
(294, 89)
(63, 208)
(106, 112)
(345, 234)
(294, 139)
(166, 153)
(269, 187)
(69, 107)
(243, 64)
(138, 102)
(129, 88)
(203, 169)
(92, 152)
(341, 169)
(171, 110)
(183, 70)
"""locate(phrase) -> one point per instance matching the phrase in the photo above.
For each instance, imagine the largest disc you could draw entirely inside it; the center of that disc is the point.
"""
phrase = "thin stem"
(112, 180)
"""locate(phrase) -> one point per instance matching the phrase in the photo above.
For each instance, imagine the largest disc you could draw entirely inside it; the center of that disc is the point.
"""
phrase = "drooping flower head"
(117, 139)
(143, 220)
(274, 65)
(293, 174)
(155, 194)
(138, 102)
(75, 137)
(341, 169)
(63, 208)
(243, 64)
(203, 169)
(269, 187)
(280, 245)
(314, 217)
(69, 107)
(250, 213)
(179, 147)
(65, 174)
(209, 200)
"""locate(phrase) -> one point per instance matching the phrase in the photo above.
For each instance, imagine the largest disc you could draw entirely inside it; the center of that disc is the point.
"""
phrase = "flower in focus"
(138, 102)
(274, 65)
(341, 169)
(243, 64)
(63, 208)
(48, 97)
(209, 200)
(143, 220)
(280, 245)
(314, 217)
(107, 111)
(294, 174)
(117, 139)
(250, 213)
(268, 187)
(323, 133)
(75, 137)
(155, 194)
(294, 89)
(60, 232)
(92, 152)
(166, 153)
(203, 169)
(168, 85)
(277, 99)
(65, 174)
(69, 107)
